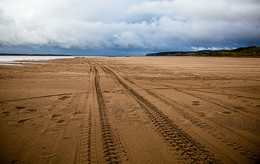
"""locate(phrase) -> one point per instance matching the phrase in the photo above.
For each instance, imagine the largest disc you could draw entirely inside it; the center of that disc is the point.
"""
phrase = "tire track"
(86, 135)
(212, 101)
(245, 111)
(86, 142)
(187, 148)
(205, 126)
(209, 99)
(209, 129)
(110, 147)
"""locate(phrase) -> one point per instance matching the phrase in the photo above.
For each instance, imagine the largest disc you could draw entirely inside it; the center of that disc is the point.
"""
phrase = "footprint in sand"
(201, 114)
(196, 103)
(64, 97)
(226, 112)
(60, 121)
(78, 112)
(245, 101)
(6, 113)
(31, 109)
(20, 107)
(23, 120)
(55, 116)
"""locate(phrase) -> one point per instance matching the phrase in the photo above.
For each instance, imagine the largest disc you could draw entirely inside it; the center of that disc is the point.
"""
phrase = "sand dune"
(131, 110)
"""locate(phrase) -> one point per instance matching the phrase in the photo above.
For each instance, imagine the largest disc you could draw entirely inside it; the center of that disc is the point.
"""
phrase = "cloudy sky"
(126, 27)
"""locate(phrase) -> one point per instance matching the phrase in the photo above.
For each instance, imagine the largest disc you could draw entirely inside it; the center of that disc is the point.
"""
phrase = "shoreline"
(6, 59)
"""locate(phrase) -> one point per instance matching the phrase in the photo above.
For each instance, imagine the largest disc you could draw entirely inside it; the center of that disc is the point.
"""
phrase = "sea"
(18, 60)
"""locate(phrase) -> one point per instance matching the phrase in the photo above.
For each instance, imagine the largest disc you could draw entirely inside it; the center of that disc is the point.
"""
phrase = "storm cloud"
(130, 25)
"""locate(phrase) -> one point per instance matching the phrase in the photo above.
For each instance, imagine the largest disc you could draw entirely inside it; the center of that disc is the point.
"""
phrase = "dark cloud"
(128, 25)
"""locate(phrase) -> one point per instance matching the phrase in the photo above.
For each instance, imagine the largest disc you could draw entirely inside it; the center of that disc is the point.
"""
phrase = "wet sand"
(131, 110)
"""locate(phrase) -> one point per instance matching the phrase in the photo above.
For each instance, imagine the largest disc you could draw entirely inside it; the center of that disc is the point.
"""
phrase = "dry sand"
(131, 110)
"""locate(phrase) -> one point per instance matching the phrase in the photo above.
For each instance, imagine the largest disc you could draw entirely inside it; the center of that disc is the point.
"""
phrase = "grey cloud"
(224, 10)
(125, 24)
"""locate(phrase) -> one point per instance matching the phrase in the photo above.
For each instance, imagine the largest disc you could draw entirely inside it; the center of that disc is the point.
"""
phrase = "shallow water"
(10, 59)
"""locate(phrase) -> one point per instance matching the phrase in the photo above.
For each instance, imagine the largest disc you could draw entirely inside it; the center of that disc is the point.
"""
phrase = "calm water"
(16, 60)
(9, 59)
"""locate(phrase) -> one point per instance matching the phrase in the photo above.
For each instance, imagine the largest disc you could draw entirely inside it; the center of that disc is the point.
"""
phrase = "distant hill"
(251, 51)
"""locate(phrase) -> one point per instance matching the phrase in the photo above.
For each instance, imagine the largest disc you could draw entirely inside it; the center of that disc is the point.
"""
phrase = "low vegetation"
(251, 51)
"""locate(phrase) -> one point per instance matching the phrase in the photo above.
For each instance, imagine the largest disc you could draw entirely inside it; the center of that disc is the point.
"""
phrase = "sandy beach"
(131, 110)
